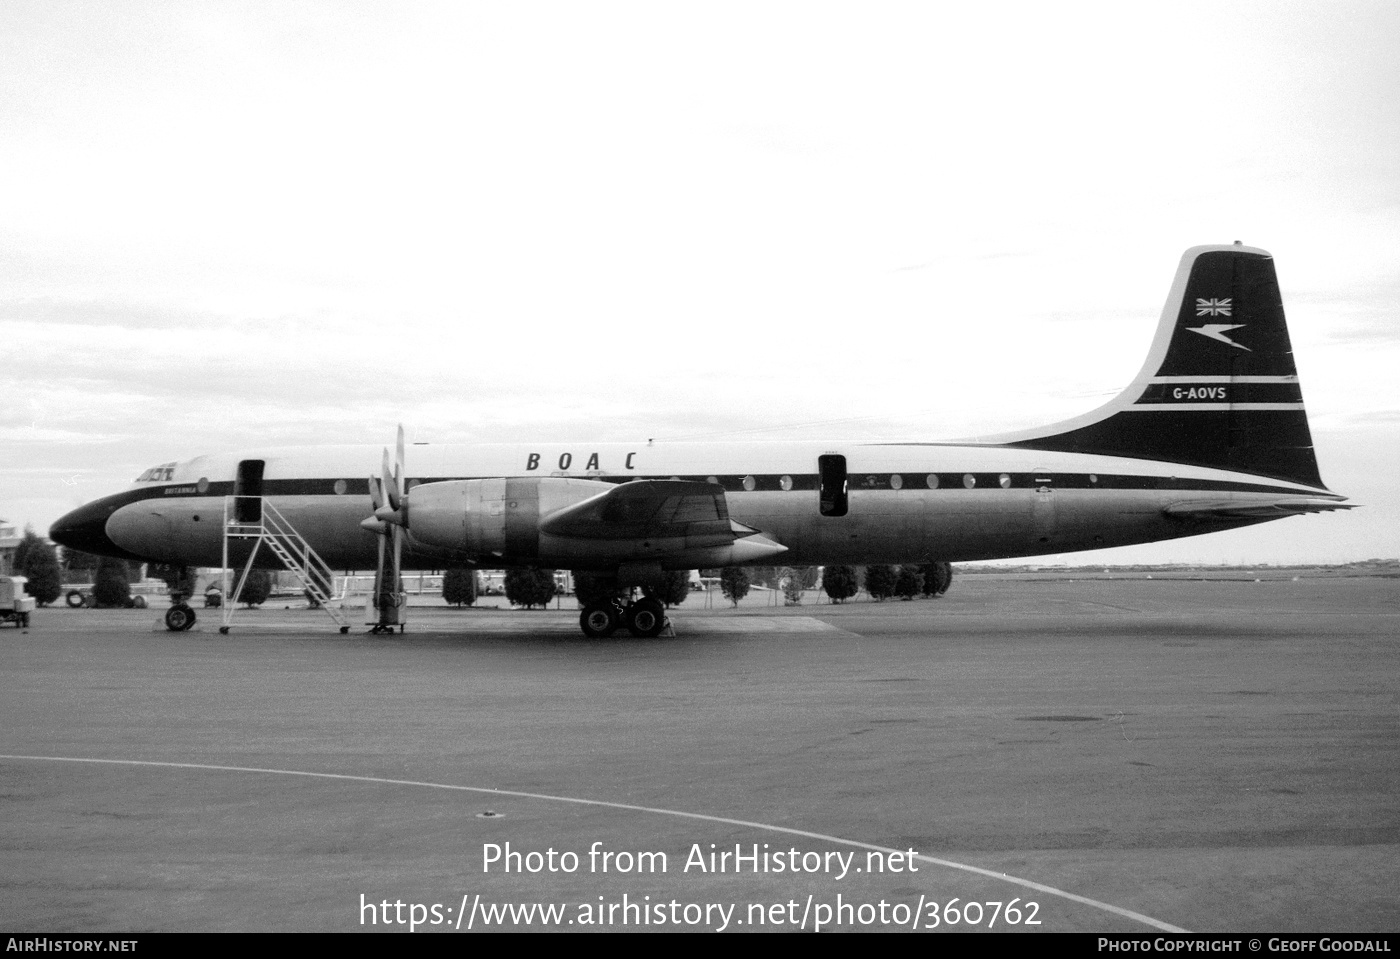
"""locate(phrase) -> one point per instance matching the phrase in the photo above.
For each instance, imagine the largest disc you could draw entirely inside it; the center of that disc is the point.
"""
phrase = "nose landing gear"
(179, 618)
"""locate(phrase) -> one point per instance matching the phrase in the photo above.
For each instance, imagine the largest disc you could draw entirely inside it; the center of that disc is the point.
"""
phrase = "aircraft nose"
(86, 529)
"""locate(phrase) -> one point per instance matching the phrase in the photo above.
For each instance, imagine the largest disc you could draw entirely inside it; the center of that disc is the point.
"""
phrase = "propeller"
(391, 509)
(376, 502)
(388, 501)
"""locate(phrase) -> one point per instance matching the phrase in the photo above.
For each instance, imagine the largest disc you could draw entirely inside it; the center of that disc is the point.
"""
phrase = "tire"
(179, 618)
(74, 599)
(646, 618)
(599, 620)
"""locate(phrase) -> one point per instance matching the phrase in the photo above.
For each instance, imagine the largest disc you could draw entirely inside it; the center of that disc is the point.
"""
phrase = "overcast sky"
(236, 224)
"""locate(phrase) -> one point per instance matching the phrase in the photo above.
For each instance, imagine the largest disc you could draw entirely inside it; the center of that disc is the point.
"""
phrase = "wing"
(649, 509)
(674, 519)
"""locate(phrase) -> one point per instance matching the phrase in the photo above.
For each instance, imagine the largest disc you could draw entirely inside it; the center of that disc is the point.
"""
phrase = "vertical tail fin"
(1219, 387)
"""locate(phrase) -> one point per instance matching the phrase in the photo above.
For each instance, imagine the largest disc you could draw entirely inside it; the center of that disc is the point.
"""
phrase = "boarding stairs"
(272, 529)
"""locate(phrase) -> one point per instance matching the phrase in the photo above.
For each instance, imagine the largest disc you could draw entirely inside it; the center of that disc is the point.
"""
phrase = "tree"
(734, 583)
(111, 586)
(593, 588)
(938, 576)
(840, 582)
(257, 589)
(792, 590)
(41, 569)
(909, 583)
(674, 588)
(459, 586)
(21, 553)
(880, 581)
(529, 587)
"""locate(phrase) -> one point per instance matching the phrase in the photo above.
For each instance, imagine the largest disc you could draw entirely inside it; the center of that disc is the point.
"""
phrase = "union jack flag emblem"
(1213, 307)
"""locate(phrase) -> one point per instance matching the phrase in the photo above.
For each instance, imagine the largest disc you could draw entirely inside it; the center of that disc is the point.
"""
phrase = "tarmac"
(1110, 756)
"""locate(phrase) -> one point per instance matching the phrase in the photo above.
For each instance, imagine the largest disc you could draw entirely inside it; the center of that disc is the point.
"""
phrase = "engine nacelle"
(492, 519)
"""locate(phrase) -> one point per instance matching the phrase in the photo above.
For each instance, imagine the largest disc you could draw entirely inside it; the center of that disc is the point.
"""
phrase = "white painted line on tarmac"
(345, 777)
(718, 625)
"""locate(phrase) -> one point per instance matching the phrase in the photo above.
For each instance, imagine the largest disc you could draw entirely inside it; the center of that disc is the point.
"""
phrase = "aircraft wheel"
(646, 618)
(599, 620)
(179, 618)
(74, 598)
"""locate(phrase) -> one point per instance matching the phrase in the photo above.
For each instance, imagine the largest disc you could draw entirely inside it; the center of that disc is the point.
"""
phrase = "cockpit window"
(163, 473)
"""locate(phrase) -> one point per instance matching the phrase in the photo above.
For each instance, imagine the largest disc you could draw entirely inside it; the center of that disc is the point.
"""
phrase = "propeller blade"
(400, 470)
(379, 571)
(392, 489)
(376, 492)
(398, 557)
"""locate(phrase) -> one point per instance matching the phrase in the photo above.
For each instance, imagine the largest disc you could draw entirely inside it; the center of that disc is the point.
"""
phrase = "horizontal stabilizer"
(1252, 510)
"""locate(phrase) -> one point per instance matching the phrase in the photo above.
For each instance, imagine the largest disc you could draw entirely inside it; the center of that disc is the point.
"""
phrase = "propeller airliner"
(1211, 435)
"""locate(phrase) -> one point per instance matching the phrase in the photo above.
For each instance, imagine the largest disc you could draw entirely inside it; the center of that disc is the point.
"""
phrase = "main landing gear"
(645, 618)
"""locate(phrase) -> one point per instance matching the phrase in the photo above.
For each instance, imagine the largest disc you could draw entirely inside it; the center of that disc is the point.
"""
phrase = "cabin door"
(248, 491)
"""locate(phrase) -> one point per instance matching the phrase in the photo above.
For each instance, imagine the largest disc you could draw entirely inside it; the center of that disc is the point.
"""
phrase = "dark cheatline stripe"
(519, 489)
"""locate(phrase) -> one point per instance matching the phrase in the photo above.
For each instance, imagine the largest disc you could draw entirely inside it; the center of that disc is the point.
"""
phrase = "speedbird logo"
(1217, 331)
(1214, 307)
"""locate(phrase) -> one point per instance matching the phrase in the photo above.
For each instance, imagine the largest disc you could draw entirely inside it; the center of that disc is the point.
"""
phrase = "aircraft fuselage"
(904, 503)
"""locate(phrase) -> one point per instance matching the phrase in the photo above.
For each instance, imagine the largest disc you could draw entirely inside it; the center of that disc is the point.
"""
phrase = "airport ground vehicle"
(15, 606)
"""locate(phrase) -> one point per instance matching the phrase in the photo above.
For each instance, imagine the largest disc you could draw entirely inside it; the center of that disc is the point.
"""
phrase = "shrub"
(840, 582)
(111, 587)
(674, 588)
(880, 582)
(734, 583)
(41, 568)
(938, 576)
(591, 588)
(459, 586)
(909, 583)
(792, 590)
(529, 587)
(257, 589)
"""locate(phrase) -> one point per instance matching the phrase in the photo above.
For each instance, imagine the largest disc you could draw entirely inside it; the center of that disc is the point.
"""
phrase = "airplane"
(1211, 435)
